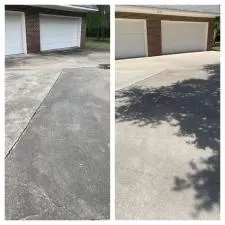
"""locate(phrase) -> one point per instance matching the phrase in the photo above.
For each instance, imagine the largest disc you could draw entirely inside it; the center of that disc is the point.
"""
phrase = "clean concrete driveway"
(58, 167)
(130, 71)
(168, 137)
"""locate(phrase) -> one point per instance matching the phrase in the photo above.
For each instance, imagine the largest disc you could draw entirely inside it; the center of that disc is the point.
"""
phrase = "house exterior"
(163, 29)
(37, 28)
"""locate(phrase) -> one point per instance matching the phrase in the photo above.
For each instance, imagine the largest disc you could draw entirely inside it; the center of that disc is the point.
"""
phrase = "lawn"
(216, 46)
(97, 44)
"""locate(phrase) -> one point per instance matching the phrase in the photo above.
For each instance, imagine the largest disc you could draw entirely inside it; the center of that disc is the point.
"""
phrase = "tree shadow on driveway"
(195, 105)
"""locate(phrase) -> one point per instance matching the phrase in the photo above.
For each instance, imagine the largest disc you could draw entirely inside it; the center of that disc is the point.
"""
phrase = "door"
(15, 40)
(131, 38)
(180, 36)
(58, 32)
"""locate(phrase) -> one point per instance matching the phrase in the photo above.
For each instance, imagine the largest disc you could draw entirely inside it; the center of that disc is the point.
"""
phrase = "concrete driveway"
(57, 120)
(130, 71)
(29, 79)
(168, 137)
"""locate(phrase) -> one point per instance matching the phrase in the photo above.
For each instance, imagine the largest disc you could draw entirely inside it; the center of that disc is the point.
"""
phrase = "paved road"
(167, 139)
(59, 169)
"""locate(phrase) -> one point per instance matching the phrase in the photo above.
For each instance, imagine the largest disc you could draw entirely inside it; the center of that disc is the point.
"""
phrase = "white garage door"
(131, 38)
(58, 32)
(15, 40)
(179, 36)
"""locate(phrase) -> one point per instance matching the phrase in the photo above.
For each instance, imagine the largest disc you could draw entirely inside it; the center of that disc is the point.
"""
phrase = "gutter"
(79, 7)
(67, 8)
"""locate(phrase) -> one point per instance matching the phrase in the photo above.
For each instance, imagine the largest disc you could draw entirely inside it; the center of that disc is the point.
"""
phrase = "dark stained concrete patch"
(59, 169)
(28, 80)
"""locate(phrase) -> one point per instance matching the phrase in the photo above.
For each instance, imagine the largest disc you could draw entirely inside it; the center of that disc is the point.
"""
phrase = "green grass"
(97, 44)
(216, 46)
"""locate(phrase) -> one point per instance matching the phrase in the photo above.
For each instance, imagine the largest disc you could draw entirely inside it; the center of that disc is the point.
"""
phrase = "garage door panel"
(130, 49)
(14, 28)
(183, 36)
(130, 38)
(129, 26)
(59, 32)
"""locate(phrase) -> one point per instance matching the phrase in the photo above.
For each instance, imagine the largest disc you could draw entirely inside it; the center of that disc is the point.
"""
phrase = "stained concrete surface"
(28, 79)
(168, 138)
(59, 169)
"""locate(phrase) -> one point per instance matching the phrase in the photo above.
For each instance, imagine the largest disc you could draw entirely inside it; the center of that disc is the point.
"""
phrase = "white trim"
(79, 7)
(42, 14)
(24, 33)
(146, 38)
(180, 21)
(13, 12)
(68, 8)
(206, 35)
(79, 34)
(128, 19)
(159, 11)
(23, 28)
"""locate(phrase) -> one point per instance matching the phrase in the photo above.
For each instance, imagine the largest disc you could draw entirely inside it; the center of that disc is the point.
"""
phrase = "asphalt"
(59, 168)
(168, 137)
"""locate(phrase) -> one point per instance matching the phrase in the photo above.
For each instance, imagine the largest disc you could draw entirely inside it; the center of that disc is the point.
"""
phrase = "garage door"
(15, 42)
(179, 36)
(57, 32)
(131, 38)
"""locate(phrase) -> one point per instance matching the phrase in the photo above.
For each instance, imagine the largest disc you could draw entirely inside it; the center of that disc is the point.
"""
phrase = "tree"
(216, 28)
(104, 19)
(98, 23)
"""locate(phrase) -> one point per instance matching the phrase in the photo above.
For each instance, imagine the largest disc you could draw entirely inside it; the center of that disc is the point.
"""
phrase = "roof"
(88, 6)
(190, 8)
(73, 8)
(177, 10)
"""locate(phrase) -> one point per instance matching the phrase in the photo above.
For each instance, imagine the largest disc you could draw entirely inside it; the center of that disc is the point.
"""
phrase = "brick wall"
(153, 23)
(154, 37)
(32, 31)
(33, 25)
(83, 32)
(210, 35)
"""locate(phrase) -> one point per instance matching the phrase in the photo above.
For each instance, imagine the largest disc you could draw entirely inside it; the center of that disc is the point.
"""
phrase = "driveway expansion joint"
(30, 120)
(146, 78)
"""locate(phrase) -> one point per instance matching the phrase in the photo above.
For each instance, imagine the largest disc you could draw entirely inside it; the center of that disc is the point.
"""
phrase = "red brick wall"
(32, 31)
(153, 23)
(33, 26)
(210, 35)
(83, 32)
(154, 37)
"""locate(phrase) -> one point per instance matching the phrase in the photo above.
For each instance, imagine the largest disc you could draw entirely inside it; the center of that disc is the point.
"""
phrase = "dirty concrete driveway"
(168, 137)
(28, 80)
(59, 166)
